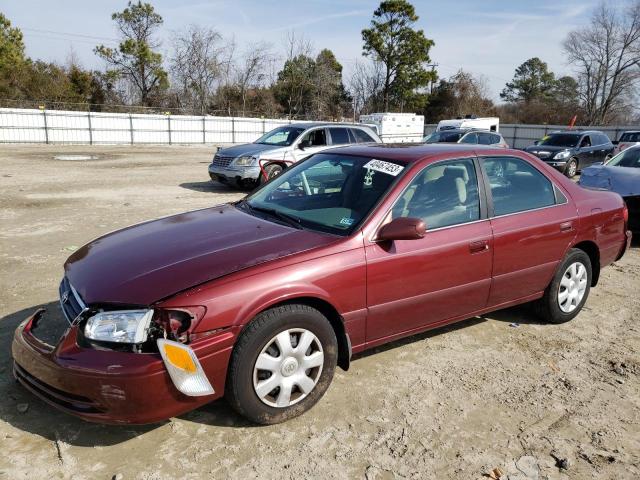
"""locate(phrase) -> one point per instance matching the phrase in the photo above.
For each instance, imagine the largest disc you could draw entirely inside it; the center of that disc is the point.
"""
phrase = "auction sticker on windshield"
(384, 167)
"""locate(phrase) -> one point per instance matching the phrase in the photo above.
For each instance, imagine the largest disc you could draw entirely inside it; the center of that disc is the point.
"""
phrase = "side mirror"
(537, 142)
(615, 142)
(304, 144)
(402, 228)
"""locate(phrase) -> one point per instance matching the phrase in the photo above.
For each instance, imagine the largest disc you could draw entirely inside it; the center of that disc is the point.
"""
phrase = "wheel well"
(336, 321)
(592, 250)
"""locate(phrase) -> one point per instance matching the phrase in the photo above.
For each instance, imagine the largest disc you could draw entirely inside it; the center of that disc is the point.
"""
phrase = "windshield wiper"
(290, 220)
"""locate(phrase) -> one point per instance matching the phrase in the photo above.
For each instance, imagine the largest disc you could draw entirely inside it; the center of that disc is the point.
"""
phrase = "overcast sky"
(489, 37)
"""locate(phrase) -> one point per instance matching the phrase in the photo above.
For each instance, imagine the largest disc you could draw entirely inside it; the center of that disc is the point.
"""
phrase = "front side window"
(516, 186)
(586, 142)
(281, 136)
(328, 192)
(315, 138)
(339, 136)
(470, 138)
(442, 195)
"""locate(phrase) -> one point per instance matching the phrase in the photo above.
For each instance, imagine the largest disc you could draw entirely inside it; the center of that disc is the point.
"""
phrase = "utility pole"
(433, 69)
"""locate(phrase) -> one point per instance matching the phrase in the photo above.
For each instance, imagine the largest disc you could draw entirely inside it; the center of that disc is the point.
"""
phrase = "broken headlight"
(120, 326)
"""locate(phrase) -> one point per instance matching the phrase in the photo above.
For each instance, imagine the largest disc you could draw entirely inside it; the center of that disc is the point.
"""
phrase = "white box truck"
(396, 127)
(491, 124)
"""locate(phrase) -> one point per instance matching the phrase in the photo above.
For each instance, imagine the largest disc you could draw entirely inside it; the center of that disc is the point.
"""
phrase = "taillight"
(625, 215)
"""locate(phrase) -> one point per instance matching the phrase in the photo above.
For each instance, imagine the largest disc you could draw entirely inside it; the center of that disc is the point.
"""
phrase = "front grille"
(220, 161)
(50, 326)
(70, 301)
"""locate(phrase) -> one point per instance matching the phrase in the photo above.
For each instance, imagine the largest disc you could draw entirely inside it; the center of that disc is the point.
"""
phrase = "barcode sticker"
(389, 168)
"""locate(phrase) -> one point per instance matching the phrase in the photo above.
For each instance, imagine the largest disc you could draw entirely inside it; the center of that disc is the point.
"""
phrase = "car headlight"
(562, 155)
(245, 161)
(120, 326)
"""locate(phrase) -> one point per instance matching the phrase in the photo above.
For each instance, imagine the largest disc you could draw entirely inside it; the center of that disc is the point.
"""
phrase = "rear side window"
(516, 186)
(361, 136)
(496, 139)
(604, 139)
(339, 136)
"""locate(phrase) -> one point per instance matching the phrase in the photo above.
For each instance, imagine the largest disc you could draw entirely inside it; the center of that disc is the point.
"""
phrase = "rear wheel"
(572, 168)
(568, 291)
(282, 364)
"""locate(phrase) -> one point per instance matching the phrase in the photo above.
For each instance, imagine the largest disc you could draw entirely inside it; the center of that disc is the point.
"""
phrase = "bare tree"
(197, 65)
(366, 85)
(251, 70)
(606, 55)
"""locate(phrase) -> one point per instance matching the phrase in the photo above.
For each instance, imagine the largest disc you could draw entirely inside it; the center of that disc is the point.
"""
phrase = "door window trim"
(489, 194)
(482, 197)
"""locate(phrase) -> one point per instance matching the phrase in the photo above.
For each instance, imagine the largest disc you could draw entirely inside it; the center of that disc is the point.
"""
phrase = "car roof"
(326, 124)
(577, 132)
(466, 130)
(409, 153)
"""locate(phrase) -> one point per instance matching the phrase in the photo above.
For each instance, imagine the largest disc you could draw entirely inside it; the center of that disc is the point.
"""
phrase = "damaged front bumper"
(109, 386)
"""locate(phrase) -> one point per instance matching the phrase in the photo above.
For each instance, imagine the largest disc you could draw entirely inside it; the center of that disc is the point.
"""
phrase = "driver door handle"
(566, 226)
(479, 246)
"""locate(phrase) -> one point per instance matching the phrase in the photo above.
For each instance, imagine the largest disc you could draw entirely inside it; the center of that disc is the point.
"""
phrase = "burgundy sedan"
(260, 300)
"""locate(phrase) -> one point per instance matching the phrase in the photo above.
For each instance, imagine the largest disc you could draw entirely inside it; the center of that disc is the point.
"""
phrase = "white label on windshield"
(384, 167)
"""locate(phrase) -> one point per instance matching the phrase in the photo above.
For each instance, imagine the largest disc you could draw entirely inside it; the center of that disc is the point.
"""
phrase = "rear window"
(486, 139)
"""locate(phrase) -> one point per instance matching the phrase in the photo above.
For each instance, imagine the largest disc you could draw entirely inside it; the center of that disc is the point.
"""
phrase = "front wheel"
(282, 364)
(568, 291)
(271, 170)
(572, 168)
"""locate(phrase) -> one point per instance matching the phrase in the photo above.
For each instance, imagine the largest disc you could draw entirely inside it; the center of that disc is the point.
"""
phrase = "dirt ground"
(453, 403)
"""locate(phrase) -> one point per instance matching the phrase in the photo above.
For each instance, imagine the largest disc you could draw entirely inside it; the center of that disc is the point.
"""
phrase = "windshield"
(281, 136)
(327, 192)
(560, 140)
(441, 137)
(628, 158)
(630, 137)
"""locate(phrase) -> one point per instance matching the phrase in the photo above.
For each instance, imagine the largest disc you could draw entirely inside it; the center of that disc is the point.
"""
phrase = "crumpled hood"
(252, 149)
(623, 180)
(142, 264)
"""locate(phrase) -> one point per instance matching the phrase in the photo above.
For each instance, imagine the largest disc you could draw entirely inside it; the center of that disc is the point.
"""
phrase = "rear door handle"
(479, 246)
(566, 226)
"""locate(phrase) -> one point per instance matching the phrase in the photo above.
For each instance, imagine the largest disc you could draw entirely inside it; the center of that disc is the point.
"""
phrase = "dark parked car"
(260, 300)
(570, 151)
(621, 174)
(468, 136)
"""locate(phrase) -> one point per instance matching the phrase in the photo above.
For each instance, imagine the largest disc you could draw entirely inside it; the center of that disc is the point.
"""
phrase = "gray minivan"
(276, 150)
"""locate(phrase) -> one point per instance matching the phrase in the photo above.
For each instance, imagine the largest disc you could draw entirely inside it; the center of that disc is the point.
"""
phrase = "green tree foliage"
(135, 58)
(331, 97)
(532, 81)
(11, 45)
(402, 50)
(460, 95)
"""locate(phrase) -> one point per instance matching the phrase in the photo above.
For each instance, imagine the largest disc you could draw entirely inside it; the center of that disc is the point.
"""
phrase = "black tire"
(548, 307)
(607, 158)
(240, 392)
(272, 170)
(571, 168)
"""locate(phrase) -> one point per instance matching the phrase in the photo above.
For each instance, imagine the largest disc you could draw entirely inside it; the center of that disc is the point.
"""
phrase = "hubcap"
(572, 168)
(572, 287)
(288, 367)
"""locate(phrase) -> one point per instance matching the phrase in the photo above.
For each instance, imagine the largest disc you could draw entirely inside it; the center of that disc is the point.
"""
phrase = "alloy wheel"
(288, 368)
(572, 287)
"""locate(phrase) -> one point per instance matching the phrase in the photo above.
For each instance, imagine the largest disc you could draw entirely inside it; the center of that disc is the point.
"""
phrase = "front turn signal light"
(184, 368)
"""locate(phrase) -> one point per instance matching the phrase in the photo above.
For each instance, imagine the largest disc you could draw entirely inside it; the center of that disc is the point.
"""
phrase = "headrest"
(457, 172)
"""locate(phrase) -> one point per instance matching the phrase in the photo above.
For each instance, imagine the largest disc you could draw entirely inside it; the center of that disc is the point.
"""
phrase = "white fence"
(73, 127)
(521, 136)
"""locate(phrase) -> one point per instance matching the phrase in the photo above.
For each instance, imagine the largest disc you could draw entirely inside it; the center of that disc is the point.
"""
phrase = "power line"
(69, 34)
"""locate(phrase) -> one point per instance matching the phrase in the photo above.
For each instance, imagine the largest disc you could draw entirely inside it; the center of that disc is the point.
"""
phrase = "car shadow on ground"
(211, 187)
(46, 421)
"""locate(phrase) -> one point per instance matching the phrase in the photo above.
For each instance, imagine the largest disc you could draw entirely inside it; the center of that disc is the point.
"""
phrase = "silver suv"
(276, 150)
